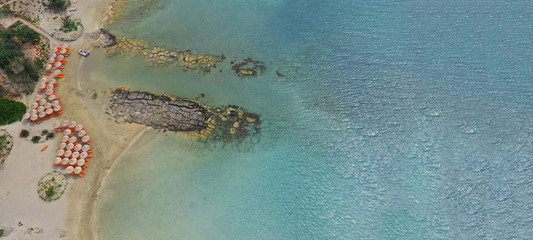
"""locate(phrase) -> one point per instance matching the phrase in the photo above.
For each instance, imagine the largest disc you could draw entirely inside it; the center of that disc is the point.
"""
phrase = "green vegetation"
(50, 192)
(57, 4)
(44, 132)
(2, 90)
(11, 111)
(69, 25)
(35, 139)
(17, 68)
(1, 232)
(49, 136)
(2, 140)
(24, 133)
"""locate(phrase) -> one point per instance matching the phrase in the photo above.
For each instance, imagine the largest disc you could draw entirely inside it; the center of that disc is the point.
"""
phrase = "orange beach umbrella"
(81, 133)
(72, 139)
(86, 147)
(67, 132)
(26, 116)
(70, 146)
(83, 154)
(77, 148)
(57, 108)
(42, 114)
(62, 145)
(57, 161)
(85, 138)
(72, 124)
(75, 155)
(42, 102)
(34, 117)
(77, 170)
(81, 162)
(79, 127)
(34, 105)
(64, 161)
(64, 139)
(72, 161)
(68, 153)
(49, 111)
(69, 169)
(60, 152)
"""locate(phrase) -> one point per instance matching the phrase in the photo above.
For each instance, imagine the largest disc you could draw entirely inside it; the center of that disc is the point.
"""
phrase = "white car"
(83, 53)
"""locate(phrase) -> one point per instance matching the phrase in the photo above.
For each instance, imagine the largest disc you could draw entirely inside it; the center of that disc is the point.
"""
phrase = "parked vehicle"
(83, 53)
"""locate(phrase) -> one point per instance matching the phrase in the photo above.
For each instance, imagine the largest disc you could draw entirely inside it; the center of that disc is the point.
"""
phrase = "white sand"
(73, 216)
(18, 187)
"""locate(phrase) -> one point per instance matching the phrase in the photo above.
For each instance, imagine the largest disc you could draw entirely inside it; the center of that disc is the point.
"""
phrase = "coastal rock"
(163, 111)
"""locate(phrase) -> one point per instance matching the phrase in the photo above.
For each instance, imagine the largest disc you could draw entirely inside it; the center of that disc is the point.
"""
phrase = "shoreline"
(74, 215)
(82, 219)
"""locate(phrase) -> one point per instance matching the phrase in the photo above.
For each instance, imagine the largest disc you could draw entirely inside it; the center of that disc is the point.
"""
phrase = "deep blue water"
(396, 120)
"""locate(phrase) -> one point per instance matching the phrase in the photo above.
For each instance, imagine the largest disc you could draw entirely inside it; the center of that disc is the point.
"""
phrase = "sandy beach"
(73, 216)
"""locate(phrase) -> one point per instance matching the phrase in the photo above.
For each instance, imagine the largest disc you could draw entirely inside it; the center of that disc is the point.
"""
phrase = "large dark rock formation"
(158, 111)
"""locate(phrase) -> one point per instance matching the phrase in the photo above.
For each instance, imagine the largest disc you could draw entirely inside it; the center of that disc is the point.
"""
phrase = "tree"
(26, 34)
(57, 4)
(2, 90)
(24, 133)
(11, 111)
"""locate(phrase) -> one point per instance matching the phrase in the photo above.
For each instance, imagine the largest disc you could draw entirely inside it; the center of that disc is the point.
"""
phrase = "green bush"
(57, 4)
(11, 111)
(50, 192)
(24, 133)
(50, 136)
(69, 25)
(35, 139)
(2, 90)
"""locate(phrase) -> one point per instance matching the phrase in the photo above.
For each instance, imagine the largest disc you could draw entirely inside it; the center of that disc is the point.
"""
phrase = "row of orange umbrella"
(49, 105)
(75, 149)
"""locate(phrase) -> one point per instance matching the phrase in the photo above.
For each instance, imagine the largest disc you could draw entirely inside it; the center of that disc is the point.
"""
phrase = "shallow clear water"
(406, 120)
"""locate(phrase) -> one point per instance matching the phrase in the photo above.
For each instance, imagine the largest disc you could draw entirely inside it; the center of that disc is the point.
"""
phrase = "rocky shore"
(159, 56)
(158, 111)
(230, 123)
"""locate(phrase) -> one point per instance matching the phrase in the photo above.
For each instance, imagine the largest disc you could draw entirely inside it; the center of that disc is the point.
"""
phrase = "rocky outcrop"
(102, 38)
(227, 124)
(159, 56)
(248, 67)
(158, 111)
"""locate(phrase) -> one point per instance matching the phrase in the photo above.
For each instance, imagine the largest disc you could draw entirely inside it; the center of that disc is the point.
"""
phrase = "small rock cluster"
(230, 123)
(248, 67)
(158, 111)
(158, 56)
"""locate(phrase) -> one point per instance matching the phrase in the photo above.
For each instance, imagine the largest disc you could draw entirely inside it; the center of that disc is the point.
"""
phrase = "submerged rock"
(248, 67)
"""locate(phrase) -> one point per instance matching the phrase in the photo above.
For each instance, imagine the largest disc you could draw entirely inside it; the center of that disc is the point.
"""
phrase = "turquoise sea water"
(395, 120)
